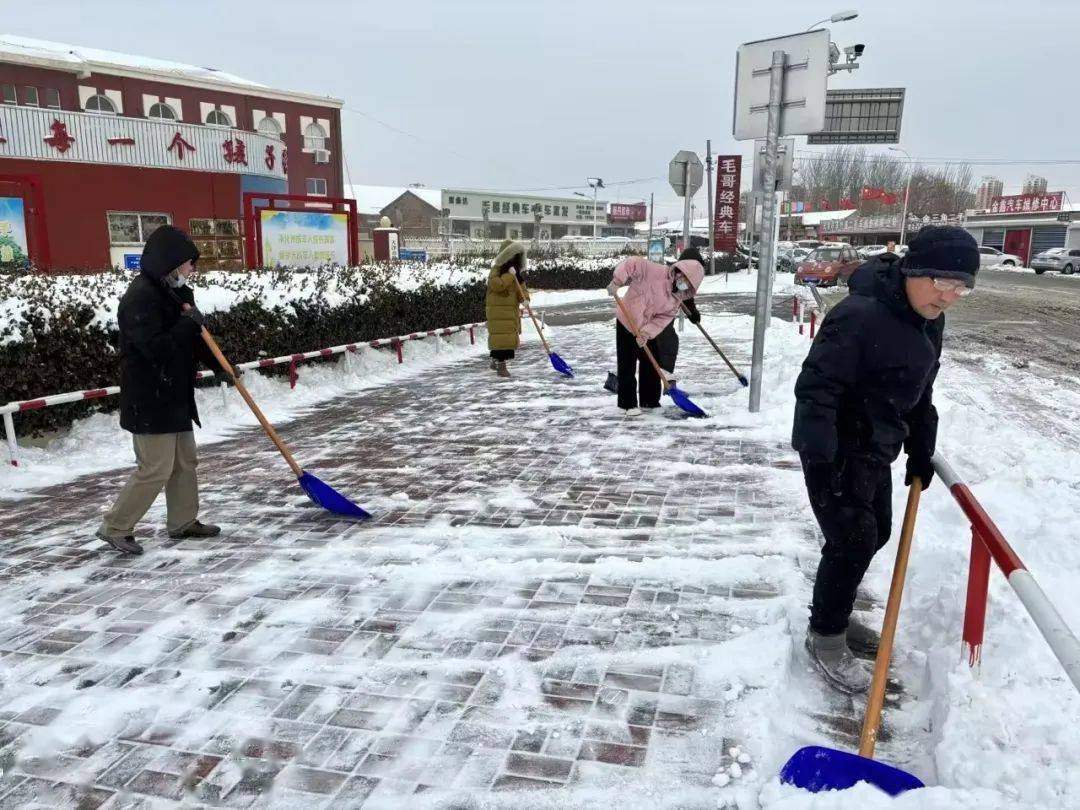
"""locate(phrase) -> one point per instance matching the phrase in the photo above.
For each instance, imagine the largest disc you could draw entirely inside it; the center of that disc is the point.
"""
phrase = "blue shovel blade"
(816, 769)
(683, 401)
(560, 365)
(328, 498)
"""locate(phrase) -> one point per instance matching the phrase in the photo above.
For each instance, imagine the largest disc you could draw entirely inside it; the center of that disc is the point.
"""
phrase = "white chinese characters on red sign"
(627, 212)
(1026, 203)
(726, 216)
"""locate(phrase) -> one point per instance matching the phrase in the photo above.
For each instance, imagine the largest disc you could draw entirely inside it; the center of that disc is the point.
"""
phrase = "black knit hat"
(166, 249)
(692, 253)
(942, 251)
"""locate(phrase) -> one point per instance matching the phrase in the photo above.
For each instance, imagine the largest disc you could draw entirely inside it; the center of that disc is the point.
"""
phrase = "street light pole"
(907, 191)
(597, 183)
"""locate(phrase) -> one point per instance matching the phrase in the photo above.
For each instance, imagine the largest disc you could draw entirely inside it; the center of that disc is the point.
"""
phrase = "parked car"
(866, 251)
(787, 260)
(810, 244)
(828, 266)
(1061, 259)
(992, 257)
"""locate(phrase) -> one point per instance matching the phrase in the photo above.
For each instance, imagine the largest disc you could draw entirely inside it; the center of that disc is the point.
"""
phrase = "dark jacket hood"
(881, 278)
(166, 249)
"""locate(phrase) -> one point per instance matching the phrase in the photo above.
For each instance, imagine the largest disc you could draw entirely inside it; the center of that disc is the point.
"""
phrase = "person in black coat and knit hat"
(866, 391)
(160, 344)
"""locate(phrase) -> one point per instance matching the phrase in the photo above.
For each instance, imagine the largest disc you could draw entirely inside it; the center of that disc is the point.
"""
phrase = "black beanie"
(942, 251)
(692, 253)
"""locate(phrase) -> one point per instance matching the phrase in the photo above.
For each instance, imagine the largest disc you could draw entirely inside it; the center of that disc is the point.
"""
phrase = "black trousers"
(502, 354)
(856, 524)
(638, 381)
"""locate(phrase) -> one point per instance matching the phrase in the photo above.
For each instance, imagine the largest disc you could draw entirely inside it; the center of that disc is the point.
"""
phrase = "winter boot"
(631, 413)
(501, 369)
(125, 545)
(832, 658)
(862, 638)
(197, 530)
(492, 365)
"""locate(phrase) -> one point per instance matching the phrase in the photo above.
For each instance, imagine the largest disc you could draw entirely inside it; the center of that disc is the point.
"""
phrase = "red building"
(99, 148)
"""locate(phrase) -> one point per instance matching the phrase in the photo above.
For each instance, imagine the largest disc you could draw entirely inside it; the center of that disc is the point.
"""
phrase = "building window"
(30, 96)
(316, 186)
(216, 118)
(100, 105)
(269, 127)
(314, 137)
(218, 241)
(161, 112)
(9, 94)
(52, 98)
(133, 228)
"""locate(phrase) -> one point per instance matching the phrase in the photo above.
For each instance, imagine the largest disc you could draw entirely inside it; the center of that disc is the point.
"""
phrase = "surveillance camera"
(855, 51)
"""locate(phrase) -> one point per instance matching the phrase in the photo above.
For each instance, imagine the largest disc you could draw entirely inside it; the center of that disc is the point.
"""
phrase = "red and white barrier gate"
(394, 343)
(988, 543)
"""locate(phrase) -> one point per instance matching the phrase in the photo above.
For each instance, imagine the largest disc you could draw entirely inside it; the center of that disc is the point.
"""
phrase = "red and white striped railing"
(394, 343)
(988, 543)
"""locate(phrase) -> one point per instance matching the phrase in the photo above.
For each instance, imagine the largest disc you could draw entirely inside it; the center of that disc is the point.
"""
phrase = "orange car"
(828, 266)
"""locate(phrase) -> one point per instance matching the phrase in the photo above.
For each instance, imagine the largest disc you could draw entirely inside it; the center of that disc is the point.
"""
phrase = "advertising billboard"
(13, 247)
(304, 238)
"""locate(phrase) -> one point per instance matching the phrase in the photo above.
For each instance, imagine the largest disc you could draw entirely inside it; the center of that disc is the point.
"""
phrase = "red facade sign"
(179, 144)
(270, 159)
(235, 151)
(726, 211)
(1026, 203)
(624, 212)
(60, 140)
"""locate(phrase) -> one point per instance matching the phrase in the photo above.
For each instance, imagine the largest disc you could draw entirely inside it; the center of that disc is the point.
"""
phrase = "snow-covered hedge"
(58, 333)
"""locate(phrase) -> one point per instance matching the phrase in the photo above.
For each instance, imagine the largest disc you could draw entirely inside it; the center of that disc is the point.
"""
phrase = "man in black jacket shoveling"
(160, 344)
(865, 391)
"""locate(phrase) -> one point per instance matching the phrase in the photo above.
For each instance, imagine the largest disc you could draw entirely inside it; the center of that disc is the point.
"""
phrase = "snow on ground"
(1007, 739)
(712, 285)
(97, 442)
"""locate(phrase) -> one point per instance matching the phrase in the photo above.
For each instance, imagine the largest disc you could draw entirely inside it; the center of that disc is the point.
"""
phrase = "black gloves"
(692, 311)
(195, 315)
(921, 468)
(823, 481)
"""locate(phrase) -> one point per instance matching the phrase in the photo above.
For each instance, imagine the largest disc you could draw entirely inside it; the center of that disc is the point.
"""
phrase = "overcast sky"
(535, 94)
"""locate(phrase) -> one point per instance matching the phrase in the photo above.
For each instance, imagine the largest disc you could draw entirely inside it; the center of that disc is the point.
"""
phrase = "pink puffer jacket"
(649, 300)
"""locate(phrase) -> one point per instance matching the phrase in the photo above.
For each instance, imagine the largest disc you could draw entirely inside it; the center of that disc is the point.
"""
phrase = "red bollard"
(801, 317)
(472, 336)
(978, 587)
(813, 323)
(396, 343)
(794, 308)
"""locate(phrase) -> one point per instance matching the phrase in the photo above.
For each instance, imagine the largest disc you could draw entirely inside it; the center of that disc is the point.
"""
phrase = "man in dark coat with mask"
(865, 392)
(160, 343)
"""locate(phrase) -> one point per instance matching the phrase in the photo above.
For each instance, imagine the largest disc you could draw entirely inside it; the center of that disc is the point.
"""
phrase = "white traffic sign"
(806, 72)
(677, 172)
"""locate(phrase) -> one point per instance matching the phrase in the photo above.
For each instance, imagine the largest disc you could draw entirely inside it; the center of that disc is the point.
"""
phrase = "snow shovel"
(816, 768)
(680, 399)
(723, 356)
(321, 494)
(557, 362)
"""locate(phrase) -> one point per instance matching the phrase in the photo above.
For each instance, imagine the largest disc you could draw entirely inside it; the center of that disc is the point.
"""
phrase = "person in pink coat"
(655, 294)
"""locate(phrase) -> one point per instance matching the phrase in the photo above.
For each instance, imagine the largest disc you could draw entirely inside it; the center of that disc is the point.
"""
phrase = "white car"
(866, 251)
(992, 257)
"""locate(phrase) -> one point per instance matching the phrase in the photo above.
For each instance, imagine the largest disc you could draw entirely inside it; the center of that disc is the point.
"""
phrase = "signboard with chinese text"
(470, 205)
(1026, 203)
(13, 247)
(871, 115)
(406, 255)
(627, 212)
(726, 208)
(304, 238)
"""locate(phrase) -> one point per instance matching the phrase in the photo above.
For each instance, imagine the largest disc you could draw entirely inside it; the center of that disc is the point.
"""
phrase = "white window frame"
(216, 113)
(27, 90)
(162, 105)
(316, 181)
(310, 139)
(100, 99)
(58, 104)
(273, 131)
(14, 99)
(140, 215)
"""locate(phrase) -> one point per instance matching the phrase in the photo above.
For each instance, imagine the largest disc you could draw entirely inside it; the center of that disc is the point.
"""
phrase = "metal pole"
(907, 193)
(709, 197)
(12, 442)
(768, 214)
(595, 189)
(686, 205)
(651, 196)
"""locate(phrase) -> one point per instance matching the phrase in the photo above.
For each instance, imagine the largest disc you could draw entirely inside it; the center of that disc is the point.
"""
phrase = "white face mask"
(176, 280)
(682, 286)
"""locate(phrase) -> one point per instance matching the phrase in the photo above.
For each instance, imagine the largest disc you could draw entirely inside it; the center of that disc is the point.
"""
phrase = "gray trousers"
(166, 461)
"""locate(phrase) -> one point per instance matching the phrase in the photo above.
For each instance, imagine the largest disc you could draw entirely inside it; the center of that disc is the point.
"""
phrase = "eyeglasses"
(954, 286)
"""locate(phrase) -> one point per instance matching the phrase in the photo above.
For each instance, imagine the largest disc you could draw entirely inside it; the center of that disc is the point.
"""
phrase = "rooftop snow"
(373, 199)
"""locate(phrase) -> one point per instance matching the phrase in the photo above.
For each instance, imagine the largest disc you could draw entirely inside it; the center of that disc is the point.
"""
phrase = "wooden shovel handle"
(525, 301)
(225, 364)
(888, 631)
(633, 328)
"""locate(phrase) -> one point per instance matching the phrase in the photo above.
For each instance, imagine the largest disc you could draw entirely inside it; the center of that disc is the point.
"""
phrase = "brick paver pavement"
(530, 607)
